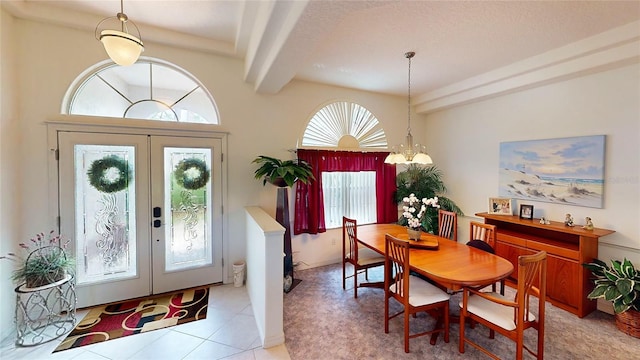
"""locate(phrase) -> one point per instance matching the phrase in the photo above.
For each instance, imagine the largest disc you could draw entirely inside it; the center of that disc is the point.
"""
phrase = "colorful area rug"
(137, 316)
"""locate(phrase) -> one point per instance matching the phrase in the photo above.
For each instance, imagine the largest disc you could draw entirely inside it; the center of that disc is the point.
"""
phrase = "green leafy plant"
(282, 172)
(424, 182)
(618, 283)
(44, 261)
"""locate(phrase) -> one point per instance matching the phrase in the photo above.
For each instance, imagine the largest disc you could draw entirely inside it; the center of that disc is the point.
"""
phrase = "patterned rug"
(137, 316)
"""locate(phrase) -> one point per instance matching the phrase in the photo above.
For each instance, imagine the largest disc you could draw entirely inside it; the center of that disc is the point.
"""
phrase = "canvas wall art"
(567, 171)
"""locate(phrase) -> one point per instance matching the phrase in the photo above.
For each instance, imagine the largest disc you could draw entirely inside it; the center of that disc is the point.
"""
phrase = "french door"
(145, 213)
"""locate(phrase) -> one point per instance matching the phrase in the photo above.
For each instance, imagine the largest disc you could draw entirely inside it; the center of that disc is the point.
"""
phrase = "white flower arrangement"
(411, 204)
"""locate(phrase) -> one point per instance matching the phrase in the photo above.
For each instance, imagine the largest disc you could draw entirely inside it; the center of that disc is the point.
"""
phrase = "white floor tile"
(125, 347)
(230, 328)
(273, 353)
(240, 332)
(211, 350)
(173, 345)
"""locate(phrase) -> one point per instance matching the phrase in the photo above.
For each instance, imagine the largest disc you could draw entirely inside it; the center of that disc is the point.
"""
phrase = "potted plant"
(45, 261)
(282, 172)
(619, 284)
(424, 183)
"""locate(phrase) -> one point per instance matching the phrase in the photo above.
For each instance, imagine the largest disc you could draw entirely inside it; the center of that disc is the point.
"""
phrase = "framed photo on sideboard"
(526, 212)
(500, 206)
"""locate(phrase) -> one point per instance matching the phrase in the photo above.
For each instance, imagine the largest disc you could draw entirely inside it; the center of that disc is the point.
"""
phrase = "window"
(350, 194)
(353, 183)
(149, 89)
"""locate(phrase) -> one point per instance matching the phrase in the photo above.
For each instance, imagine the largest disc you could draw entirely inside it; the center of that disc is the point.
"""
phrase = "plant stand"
(45, 313)
(282, 217)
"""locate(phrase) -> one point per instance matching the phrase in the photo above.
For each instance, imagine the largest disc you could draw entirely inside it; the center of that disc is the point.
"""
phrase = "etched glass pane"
(105, 213)
(187, 175)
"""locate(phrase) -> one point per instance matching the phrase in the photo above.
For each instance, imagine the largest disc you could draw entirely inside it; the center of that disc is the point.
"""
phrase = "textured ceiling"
(355, 44)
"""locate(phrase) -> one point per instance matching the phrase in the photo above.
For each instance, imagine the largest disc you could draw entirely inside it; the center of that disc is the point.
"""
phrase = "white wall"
(258, 124)
(465, 145)
(9, 185)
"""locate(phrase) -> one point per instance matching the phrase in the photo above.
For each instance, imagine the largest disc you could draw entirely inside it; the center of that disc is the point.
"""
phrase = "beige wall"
(605, 103)
(10, 204)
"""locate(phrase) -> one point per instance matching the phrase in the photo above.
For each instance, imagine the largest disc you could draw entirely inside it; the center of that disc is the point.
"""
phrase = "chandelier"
(122, 47)
(409, 152)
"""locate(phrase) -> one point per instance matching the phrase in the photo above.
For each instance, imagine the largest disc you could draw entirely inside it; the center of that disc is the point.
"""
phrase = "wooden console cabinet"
(568, 282)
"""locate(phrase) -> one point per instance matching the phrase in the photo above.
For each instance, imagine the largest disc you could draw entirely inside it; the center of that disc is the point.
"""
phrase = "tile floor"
(228, 332)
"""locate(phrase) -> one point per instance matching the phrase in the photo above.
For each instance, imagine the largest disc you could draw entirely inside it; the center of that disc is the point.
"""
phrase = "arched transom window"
(149, 89)
(345, 125)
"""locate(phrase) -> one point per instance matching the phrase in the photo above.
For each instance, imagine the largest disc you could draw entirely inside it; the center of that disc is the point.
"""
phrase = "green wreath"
(192, 173)
(109, 174)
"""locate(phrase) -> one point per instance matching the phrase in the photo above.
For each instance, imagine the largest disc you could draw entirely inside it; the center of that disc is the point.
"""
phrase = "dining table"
(451, 264)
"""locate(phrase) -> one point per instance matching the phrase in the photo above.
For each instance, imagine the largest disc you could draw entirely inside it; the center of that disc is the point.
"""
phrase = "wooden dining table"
(452, 265)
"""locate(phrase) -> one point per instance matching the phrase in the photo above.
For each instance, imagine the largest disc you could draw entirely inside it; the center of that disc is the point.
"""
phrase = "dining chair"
(506, 316)
(351, 256)
(415, 294)
(448, 224)
(483, 236)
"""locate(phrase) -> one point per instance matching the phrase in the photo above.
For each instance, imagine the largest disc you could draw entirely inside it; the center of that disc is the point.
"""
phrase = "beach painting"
(567, 171)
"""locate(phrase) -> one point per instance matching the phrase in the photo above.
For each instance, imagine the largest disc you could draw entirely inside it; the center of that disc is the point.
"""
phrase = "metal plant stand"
(45, 313)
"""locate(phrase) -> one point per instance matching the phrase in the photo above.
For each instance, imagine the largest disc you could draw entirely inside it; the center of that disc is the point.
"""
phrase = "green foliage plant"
(282, 172)
(618, 283)
(45, 261)
(424, 182)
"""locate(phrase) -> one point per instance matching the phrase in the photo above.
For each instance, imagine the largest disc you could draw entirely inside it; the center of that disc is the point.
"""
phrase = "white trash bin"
(238, 273)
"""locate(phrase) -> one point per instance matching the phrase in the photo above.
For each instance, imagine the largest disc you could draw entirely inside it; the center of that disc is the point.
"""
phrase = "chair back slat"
(531, 270)
(397, 258)
(349, 238)
(448, 224)
(484, 232)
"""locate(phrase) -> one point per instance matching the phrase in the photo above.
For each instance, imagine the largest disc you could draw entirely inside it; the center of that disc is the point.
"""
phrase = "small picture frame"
(500, 206)
(526, 212)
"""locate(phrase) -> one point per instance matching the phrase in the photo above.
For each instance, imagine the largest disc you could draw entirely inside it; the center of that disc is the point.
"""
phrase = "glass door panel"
(105, 213)
(187, 174)
(104, 207)
(187, 230)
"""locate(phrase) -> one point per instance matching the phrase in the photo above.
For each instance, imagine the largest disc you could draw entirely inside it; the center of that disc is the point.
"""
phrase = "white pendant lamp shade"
(121, 46)
(410, 153)
(124, 49)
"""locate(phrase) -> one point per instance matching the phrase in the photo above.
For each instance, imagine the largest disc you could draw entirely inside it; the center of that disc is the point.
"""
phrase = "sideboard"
(567, 247)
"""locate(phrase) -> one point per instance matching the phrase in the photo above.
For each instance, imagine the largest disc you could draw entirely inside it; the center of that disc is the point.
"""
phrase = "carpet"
(136, 316)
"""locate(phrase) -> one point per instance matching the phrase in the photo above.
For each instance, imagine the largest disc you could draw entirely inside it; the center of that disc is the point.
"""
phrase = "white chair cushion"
(496, 313)
(371, 260)
(422, 292)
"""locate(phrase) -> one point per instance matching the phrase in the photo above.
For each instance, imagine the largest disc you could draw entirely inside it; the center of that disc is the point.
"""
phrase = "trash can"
(238, 273)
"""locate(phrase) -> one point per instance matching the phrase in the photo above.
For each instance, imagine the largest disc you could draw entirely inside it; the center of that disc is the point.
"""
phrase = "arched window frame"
(166, 111)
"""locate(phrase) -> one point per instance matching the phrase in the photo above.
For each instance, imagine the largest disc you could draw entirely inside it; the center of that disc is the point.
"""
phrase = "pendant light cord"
(409, 55)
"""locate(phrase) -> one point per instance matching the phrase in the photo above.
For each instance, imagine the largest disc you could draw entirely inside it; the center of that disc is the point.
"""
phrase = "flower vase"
(414, 234)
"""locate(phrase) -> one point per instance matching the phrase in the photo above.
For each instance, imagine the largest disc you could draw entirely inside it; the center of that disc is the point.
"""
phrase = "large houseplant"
(282, 172)
(44, 261)
(424, 182)
(619, 284)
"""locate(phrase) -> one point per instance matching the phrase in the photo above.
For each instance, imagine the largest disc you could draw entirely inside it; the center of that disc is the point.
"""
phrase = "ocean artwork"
(566, 171)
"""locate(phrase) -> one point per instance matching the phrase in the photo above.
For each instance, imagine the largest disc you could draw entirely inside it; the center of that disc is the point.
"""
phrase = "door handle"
(157, 211)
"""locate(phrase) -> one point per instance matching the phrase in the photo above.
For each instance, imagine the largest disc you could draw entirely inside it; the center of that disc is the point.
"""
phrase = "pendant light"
(121, 46)
(409, 153)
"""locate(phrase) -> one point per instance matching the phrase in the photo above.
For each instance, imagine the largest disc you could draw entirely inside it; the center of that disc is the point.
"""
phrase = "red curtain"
(309, 205)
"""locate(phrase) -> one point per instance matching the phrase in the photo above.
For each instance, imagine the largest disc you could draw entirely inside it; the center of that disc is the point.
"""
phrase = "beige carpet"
(322, 321)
